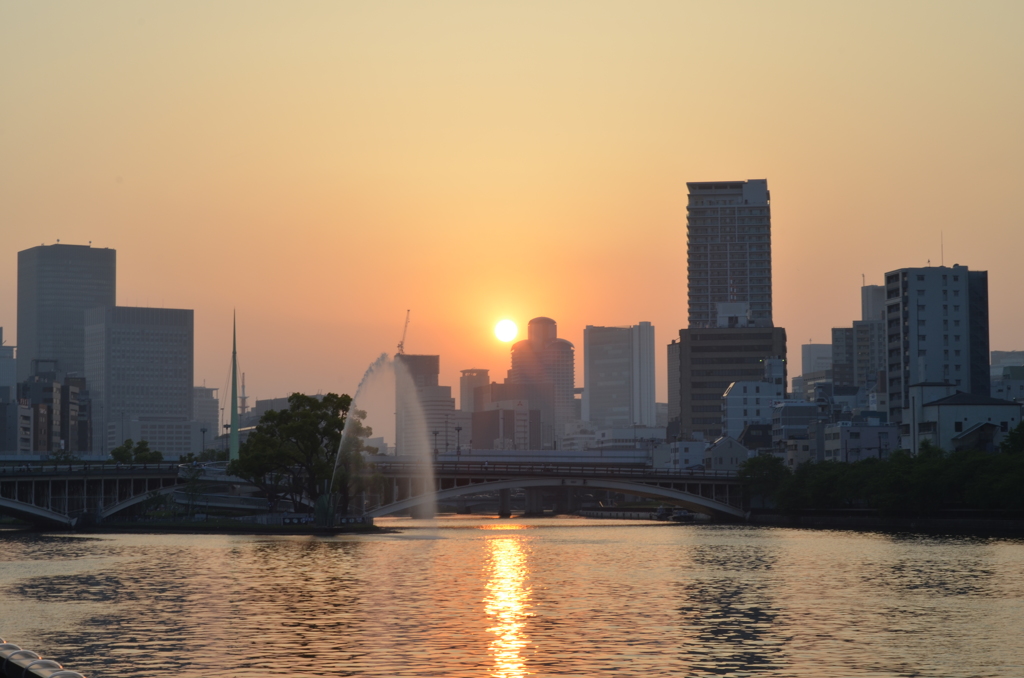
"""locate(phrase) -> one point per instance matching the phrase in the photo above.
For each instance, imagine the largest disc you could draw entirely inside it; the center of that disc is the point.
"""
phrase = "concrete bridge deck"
(718, 493)
(59, 494)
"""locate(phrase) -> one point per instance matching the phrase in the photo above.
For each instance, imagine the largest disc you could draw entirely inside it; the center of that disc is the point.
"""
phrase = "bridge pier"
(534, 501)
(505, 503)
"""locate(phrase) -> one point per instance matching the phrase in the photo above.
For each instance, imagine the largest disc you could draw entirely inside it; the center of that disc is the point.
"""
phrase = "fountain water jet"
(411, 437)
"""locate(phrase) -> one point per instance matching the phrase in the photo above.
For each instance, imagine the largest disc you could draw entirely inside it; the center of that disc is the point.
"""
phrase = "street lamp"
(458, 430)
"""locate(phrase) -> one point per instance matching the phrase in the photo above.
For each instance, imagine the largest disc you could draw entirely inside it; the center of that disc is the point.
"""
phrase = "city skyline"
(310, 197)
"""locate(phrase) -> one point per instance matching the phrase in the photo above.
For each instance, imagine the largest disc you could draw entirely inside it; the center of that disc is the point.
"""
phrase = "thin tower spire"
(233, 434)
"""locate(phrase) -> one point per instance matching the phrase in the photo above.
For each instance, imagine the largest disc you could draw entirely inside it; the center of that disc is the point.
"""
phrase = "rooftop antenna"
(863, 280)
(942, 250)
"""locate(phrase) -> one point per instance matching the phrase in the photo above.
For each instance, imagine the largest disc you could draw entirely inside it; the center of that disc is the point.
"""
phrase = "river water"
(473, 596)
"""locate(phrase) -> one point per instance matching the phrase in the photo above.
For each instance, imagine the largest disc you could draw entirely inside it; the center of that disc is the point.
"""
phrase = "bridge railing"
(45, 468)
(533, 468)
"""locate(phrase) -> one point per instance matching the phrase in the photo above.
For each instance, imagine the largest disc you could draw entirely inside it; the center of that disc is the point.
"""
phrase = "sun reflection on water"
(508, 597)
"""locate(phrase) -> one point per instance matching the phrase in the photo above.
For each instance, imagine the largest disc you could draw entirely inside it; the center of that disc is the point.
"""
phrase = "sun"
(506, 330)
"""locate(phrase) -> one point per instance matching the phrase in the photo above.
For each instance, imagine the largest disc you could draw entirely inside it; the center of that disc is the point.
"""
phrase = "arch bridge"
(718, 493)
(59, 495)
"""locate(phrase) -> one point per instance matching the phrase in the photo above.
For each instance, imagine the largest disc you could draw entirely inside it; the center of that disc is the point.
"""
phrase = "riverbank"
(955, 522)
(211, 527)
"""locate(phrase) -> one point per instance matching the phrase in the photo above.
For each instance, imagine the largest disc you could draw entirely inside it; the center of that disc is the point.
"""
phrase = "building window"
(956, 337)
(956, 278)
(958, 426)
(922, 353)
(920, 277)
(920, 293)
(956, 309)
(1004, 426)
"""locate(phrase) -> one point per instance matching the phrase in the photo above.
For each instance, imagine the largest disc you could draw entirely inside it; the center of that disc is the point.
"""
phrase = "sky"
(321, 167)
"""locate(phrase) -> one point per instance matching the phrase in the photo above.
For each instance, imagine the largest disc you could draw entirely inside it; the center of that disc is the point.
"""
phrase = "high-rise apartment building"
(937, 326)
(618, 376)
(138, 365)
(57, 284)
(542, 358)
(729, 268)
(729, 253)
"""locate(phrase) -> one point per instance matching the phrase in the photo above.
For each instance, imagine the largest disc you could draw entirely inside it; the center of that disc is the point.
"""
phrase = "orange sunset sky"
(323, 166)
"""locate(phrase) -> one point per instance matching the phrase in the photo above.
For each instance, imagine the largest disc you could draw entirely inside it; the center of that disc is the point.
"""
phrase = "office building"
(747, 403)
(138, 365)
(848, 441)
(206, 412)
(8, 371)
(937, 326)
(872, 302)
(815, 358)
(425, 414)
(842, 356)
(468, 383)
(618, 376)
(57, 284)
(540, 359)
(507, 425)
(729, 259)
(869, 350)
(712, 359)
(673, 411)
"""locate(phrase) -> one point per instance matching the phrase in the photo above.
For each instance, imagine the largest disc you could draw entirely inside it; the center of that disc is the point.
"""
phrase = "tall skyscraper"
(618, 376)
(729, 253)
(937, 324)
(543, 358)
(57, 284)
(138, 365)
(729, 272)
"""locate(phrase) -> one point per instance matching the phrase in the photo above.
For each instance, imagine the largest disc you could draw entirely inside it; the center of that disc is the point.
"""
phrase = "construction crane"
(405, 330)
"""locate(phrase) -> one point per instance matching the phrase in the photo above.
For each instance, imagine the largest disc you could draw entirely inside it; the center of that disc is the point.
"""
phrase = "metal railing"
(44, 468)
(546, 469)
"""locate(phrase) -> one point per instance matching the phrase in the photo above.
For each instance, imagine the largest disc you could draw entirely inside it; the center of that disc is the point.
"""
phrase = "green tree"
(1013, 443)
(293, 452)
(130, 452)
(764, 475)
